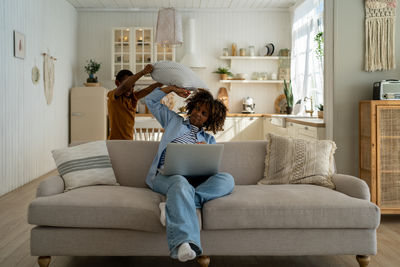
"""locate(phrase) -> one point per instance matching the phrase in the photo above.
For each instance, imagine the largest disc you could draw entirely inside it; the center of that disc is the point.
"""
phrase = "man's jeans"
(183, 197)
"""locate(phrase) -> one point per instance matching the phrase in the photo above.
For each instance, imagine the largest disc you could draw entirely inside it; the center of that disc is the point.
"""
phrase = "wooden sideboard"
(379, 152)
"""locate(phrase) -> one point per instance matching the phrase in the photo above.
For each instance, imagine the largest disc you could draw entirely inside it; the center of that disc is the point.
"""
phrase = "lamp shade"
(169, 27)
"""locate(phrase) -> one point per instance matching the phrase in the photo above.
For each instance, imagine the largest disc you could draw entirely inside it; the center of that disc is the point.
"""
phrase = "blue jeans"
(182, 200)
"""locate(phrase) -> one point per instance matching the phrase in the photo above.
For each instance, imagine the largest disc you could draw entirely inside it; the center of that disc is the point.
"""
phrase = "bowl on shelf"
(241, 76)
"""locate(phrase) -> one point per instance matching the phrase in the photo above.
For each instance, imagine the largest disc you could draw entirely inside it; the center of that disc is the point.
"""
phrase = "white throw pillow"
(298, 161)
(84, 165)
(173, 73)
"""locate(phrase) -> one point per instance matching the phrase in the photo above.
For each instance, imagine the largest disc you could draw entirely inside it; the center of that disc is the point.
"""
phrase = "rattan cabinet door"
(388, 156)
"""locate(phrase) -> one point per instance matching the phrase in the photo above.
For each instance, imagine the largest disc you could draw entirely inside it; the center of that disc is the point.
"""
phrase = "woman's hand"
(182, 92)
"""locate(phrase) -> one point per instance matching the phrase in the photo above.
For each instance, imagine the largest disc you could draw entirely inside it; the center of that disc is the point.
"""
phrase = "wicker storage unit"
(379, 148)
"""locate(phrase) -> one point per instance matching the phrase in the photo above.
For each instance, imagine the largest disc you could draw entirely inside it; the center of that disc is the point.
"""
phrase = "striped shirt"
(188, 138)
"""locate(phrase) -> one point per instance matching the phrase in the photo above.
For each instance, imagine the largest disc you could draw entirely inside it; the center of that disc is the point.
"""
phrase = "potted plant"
(320, 111)
(287, 89)
(91, 68)
(224, 72)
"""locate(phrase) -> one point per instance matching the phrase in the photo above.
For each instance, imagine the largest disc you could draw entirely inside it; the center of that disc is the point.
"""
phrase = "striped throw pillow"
(84, 165)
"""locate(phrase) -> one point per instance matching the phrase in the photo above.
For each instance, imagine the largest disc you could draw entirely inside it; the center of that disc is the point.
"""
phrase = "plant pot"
(289, 110)
(224, 76)
(320, 114)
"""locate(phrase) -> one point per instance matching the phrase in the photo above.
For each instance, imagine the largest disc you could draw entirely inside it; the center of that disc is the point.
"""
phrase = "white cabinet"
(295, 130)
(121, 50)
(143, 48)
(305, 131)
(133, 48)
(240, 129)
(269, 127)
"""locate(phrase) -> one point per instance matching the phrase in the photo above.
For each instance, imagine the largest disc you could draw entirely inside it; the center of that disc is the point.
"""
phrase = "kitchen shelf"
(251, 81)
(247, 57)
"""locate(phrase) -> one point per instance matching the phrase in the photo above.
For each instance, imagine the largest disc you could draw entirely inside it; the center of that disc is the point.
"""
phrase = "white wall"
(214, 31)
(29, 128)
(351, 83)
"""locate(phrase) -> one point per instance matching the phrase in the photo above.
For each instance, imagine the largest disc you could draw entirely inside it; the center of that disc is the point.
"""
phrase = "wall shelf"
(251, 81)
(247, 57)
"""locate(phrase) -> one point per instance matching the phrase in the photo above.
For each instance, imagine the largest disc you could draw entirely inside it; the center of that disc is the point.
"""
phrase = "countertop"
(315, 122)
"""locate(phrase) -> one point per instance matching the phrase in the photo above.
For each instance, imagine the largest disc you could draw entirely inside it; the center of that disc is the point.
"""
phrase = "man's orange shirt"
(121, 114)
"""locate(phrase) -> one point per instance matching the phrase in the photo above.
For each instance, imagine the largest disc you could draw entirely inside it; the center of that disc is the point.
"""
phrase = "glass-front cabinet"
(134, 47)
(143, 51)
(121, 50)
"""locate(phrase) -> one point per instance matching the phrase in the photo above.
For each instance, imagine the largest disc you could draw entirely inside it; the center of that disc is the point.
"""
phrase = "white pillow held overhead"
(173, 73)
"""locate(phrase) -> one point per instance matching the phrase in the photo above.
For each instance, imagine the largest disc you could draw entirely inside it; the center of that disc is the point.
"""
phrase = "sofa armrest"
(50, 186)
(351, 186)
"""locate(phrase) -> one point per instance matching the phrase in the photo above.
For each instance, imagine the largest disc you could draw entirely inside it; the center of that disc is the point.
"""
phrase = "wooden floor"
(14, 244)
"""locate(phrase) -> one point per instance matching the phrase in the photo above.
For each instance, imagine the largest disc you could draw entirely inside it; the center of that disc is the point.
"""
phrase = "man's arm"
(127, 85)
(145, 91)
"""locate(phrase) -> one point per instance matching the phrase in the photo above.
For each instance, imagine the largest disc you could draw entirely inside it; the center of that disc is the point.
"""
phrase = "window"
(307, 60)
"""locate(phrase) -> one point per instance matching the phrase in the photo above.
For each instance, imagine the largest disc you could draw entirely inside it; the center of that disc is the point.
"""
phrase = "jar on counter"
(234, 46)
(242, 52)
(225, 52)
(252, 51)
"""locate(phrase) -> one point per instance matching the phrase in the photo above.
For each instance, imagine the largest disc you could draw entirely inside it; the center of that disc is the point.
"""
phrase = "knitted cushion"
(298, 161)
(173, 73)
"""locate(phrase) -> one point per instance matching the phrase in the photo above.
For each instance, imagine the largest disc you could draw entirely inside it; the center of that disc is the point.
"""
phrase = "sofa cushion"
(99, 207)
(298, 161)
(288, 206)
(84, 165)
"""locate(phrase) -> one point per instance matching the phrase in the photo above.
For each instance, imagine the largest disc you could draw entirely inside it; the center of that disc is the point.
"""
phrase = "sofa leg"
(203, 260)
(363, 260)
(44, 261)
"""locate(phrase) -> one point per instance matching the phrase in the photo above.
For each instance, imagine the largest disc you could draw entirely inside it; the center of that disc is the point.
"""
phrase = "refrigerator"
(88, 114)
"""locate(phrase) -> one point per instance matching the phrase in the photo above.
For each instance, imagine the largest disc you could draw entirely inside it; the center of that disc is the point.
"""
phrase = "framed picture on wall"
(19, 45)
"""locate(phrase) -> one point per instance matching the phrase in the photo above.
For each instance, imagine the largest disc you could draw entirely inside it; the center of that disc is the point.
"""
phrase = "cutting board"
(223, 96)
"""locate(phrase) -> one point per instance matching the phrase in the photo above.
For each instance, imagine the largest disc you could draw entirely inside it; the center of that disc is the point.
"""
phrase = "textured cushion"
(298, 161)
(99, 207)
(84, 165)
(288, 206)
(173, 73)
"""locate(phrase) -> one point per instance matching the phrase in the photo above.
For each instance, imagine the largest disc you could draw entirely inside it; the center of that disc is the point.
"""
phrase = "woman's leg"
(182, 223)
(216, 186)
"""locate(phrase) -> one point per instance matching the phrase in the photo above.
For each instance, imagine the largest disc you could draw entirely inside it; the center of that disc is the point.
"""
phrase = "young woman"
(185, 194)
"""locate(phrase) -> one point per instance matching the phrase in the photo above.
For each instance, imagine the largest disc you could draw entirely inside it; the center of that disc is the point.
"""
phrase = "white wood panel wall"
(29, 128)
(214, 31)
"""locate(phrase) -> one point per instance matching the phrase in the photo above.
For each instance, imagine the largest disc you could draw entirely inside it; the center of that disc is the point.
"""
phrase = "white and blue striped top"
(188, 138)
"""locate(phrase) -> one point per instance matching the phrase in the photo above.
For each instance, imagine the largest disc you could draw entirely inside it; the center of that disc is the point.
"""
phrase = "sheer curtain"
(306, 66)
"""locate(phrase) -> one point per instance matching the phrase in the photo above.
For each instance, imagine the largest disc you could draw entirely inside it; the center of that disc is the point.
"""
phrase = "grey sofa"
(253, 220)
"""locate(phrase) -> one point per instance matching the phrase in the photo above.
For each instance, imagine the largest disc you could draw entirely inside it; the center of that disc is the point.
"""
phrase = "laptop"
(192, 159)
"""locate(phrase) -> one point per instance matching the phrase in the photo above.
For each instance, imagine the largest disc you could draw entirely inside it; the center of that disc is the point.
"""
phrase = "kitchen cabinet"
(241, 129)
(133, 48)
(379, 152)
(292, 129)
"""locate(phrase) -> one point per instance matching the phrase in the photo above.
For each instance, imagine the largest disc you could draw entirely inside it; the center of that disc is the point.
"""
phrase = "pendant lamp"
(169, 27)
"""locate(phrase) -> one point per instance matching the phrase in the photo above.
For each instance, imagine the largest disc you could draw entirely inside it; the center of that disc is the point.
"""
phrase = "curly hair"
(217, 114)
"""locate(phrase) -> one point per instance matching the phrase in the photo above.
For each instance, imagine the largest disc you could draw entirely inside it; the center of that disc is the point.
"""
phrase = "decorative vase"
(289, 110)
(224, 76)
(320, 114)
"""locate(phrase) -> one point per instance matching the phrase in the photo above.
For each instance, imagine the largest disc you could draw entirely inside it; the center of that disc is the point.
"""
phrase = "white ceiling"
(182, 4)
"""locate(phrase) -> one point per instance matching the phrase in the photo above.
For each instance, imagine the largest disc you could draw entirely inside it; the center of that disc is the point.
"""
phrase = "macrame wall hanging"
(379, 34)
(48, 77)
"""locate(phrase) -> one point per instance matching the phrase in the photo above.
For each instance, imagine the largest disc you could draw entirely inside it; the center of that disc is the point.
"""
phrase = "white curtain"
(306, 67)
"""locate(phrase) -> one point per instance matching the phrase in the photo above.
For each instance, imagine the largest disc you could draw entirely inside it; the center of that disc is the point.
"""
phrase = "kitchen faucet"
(311, 111)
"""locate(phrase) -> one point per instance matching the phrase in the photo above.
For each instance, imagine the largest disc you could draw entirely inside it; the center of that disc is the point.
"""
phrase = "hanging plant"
(319, 51)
